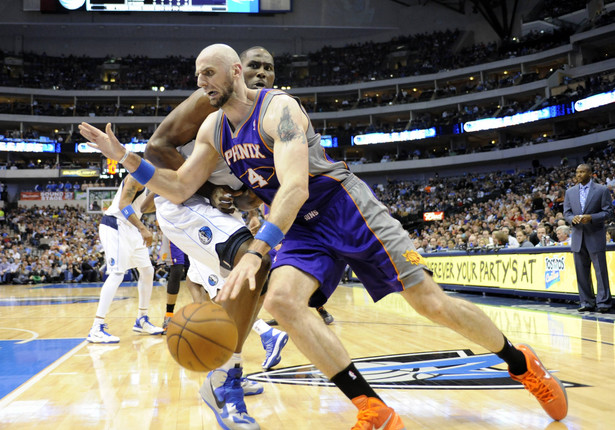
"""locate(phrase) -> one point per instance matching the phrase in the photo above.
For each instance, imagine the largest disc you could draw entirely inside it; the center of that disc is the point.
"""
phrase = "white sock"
(261, 327)
(97, 322)
(235, 359)
(142, 312)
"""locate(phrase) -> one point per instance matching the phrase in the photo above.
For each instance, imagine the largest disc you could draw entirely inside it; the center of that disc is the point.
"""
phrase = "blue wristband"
(127, 211)
(270, 233)
(144, 172)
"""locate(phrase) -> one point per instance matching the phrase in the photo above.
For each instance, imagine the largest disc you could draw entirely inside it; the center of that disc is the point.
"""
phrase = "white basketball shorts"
(123, 245)
(196, 228)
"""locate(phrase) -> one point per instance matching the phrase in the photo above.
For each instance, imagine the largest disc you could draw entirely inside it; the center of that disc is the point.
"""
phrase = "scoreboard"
(238, 6)
(211, 6)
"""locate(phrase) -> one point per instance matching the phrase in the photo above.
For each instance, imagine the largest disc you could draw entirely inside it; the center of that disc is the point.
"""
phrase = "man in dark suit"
(587, 206)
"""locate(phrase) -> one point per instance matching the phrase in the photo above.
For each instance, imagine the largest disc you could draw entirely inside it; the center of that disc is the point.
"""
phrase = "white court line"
(33, 333)
(40, 375)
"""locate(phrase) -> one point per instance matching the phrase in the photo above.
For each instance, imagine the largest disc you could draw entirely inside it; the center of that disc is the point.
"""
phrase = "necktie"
(583, 195)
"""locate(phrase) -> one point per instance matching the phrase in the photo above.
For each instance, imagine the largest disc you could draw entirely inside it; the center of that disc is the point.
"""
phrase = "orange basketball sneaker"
(549, 391)
(375, 415)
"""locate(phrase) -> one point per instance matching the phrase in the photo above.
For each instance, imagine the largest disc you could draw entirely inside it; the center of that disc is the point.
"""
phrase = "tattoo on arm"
(287, 129)
(130, 191)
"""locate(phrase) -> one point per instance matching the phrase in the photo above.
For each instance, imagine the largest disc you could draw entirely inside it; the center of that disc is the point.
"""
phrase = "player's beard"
(223, 96)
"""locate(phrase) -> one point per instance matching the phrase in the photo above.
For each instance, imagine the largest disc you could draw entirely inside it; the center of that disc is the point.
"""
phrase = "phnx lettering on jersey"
(243, 151)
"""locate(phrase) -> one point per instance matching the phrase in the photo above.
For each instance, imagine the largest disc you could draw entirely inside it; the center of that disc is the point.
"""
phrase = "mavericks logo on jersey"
(205, 235)
(212, 280)
(457, 369)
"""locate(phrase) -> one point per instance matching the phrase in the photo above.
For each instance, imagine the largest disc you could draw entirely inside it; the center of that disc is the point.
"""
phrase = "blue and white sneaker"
(142, 325)
(223, 393)
(273, 341)
(99, 335)
(250, 387)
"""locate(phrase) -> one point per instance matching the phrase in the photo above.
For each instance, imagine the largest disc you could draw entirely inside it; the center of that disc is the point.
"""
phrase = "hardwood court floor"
(53, 379)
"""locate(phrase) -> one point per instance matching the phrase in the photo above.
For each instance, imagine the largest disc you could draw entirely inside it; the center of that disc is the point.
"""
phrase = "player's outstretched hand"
(106, 143)
(244, 271)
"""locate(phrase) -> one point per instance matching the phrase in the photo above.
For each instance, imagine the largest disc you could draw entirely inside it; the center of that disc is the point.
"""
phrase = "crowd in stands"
(52, 245)
(482, 211)
(449, 117)
(414, 55)
(43, 245)
(526, 205)
(577, 88)
(558, 8)
(361, 62)
(75, 185)
(82, 108)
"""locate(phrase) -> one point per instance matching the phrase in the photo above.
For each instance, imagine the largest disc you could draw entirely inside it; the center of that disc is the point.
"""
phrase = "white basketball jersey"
(116, 211)
(221, 175)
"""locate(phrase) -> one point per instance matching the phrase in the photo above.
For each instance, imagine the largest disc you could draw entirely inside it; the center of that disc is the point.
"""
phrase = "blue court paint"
(21, 361)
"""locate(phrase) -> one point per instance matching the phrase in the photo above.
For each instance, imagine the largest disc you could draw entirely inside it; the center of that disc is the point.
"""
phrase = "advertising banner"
(546, 272)
(46, 195)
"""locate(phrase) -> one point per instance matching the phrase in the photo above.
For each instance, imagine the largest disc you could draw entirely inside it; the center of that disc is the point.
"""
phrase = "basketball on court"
(201, 336)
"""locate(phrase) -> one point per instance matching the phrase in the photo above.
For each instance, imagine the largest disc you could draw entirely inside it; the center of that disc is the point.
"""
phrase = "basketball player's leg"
(98, 333)
(176, 271)
(467, 319)
(175, 276)
(428, 298)
(145, 286)
(109, 239)
(195, 276)
(223, 389)
(305, 273)
(204, 284)
(107, 293)
(245, 307)
(139, 258)
(287, 300)
(197, 292)
(273, 340)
